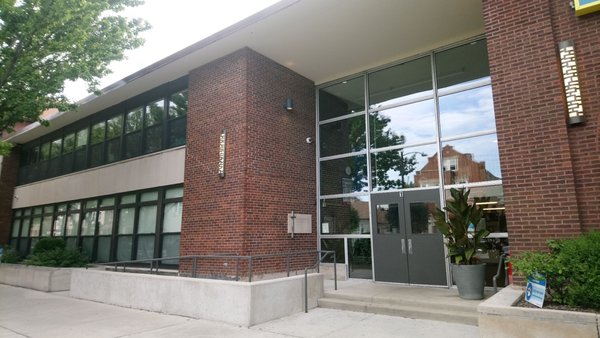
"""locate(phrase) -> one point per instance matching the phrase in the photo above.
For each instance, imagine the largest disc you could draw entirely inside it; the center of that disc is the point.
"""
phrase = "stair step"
(430, 312)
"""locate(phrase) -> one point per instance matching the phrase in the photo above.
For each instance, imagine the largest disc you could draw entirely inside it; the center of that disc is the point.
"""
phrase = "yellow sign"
(583, 7)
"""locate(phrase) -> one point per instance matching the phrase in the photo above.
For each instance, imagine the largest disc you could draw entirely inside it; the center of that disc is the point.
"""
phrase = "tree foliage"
(43, 43)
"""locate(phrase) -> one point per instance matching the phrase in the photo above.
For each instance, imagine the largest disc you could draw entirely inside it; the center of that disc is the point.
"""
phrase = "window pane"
(405, 168)
(74, 206)
(91, 204)
(87, 247)
(133, 145)
(27, 212)
(45, 152)
(97, 155)
(35, 226)
(82, 138)
(72, 225)
(107, 202)
(69, 143)
(154, 113)
(55, 148)
(172, 217)
(61, 207)
(462, 64)
(124, 248)
(15, 228)
(408, 124)
(145, 247)
(105, 222)
(345, 216)
(48, 209)
(467, 112)
(409, 80)
(126, 220)
(491, 200)
(80, 160)
(474, 159)
(97, 133)
(176, 132)
(103, 251)
(344, 175)
(88, 227)
(149, 196)
(388, 219)
(359, 255)
(128, 199)
(343, 136)
(46, 226)
(67, 163)
(113, 150)
(178, 104)
(333, 244)
(342, 98)
(114, 127)
(153, 140)
(38, 210)
(133, 120)
(147, 220)
(174, 192)
(59, 225)
(421, 217)
(170, 248)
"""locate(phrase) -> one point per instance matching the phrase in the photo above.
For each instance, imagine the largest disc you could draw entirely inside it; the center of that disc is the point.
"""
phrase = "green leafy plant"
(53, 252)
(462, 244)
(10, 255)
(571, 268)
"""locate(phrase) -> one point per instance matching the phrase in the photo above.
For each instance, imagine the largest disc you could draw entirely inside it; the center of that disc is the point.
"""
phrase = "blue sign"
(536, 291)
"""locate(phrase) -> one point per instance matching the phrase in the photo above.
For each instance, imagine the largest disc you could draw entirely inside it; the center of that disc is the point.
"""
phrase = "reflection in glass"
(147, 222)
(126, 220)
(343, 136)
(15, 228)
(88, 227)
(114, 127)
(154, 113)
(344, 175)
(388, 221)
(170, 248)
(411, 123)
(59, 225)
(72, 225)
(46, 226)
(405, 168)
(421, 218)
(172, 217)
(105, 222)
(25, 227)
(145, 247)
(467, 112)
(178, 104)
(345, 216)
(404, 81)
(469, 160)
(359, 256)
(462, 64)
(333, 244)
(35, 226)
(491, 200)
(97, 133)
(174, 193)
(124, 248)
(133, 120)
(342, 98)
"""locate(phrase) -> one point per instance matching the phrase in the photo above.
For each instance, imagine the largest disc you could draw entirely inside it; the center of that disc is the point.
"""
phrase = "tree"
(43, 43)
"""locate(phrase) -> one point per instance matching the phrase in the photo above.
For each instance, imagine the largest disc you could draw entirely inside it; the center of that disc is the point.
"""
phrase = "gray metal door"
(406, 246)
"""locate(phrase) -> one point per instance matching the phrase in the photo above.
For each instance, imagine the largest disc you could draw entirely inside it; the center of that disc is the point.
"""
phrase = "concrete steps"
(408, 307)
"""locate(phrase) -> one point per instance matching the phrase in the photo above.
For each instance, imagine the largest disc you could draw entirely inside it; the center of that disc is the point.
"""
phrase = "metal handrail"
(154, 263)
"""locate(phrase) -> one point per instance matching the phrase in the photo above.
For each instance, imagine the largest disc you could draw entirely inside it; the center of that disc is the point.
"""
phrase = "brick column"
(533, 136)
(269, 168)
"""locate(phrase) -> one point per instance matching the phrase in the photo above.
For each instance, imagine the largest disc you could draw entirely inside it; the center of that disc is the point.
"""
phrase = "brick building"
(196, 153)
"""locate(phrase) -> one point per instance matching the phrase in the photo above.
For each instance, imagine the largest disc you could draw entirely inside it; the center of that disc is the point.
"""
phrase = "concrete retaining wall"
(499, 319)
(39, 278)
(238, 303)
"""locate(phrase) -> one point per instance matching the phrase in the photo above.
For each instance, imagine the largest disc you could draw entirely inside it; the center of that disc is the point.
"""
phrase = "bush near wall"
(52, 252)
(571, 268)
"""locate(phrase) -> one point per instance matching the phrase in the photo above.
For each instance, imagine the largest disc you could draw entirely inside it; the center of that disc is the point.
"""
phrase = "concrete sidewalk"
(28, 313)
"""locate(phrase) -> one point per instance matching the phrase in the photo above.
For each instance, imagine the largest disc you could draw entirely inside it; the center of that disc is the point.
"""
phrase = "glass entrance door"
(406, 245)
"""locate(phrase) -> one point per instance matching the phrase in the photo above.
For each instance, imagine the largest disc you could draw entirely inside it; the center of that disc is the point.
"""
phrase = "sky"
(176, 24)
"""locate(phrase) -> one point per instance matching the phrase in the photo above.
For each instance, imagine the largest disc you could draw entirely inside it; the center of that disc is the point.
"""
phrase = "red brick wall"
(269, 168)
(550, 171)
(8, 181)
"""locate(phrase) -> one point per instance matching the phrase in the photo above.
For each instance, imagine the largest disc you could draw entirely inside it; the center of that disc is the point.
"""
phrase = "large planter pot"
(470, 280)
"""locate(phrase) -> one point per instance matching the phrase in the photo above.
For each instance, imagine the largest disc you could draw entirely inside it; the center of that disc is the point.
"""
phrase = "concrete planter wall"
(499, 319)
(39, 278)
(239, 303)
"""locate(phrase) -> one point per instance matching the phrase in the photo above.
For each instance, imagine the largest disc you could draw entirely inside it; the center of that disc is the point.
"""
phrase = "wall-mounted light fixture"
(289, 104)
(566, 50)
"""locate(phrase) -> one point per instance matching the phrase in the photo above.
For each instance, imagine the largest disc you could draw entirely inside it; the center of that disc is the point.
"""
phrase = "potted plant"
(458, 225)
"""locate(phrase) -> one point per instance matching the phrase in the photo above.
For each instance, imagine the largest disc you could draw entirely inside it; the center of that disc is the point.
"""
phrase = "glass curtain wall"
(130, 226)
(424, 122)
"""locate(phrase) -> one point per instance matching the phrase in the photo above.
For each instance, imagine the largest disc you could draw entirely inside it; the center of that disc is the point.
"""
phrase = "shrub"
(10, 255)
(571, 268)
(53, 252)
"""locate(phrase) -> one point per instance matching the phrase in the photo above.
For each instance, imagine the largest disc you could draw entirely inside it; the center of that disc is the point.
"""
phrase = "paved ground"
(28, 313)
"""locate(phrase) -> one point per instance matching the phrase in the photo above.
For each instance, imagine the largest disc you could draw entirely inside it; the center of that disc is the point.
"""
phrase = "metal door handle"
(403, 247)
(410, 246)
